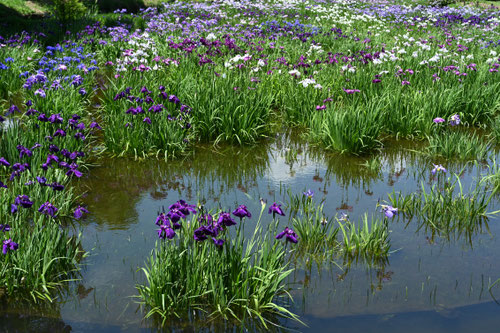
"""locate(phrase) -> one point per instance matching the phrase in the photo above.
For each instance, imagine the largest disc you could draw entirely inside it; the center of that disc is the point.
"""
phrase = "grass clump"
(353, 131)
(201, 267)
(458, 145)
(47, 257)
(445, 207)
(366, 239)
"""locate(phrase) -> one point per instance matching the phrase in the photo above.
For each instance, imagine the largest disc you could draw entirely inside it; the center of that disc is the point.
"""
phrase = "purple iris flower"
(9, 245)
(40, 92)
(23, 151)
(438, 168)
(79, 211)
(56, 186)
(389, 211)
(4, 227)
(183, 207)
(162, 219)
(145, 90)
(4, 162)
(53, 148)
(23, 200)
(147, 120)
(18, 169)
(43, 117)
(218, 242)
(225, 219)
(242, 211)
(56, 118)
(48, 209)
(82, 91)
(166, 231)
(94, 125)
(276, 209)
(51, 158)
(41, 180)
(2, 184)
(290, 235)
(80, 135)
(175, 215)
(438, 120)
(31, 112)
(59, 132)
(174, 99)
(73, 170)
(199, 234)
(12, 109)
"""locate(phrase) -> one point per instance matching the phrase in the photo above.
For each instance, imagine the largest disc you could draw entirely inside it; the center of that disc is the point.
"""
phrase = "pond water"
(431, 284)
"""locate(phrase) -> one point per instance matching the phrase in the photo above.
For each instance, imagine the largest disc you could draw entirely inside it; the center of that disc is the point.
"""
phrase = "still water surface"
(429, 284)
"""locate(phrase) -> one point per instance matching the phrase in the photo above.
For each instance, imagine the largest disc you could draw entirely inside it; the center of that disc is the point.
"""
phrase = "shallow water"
(431, 284)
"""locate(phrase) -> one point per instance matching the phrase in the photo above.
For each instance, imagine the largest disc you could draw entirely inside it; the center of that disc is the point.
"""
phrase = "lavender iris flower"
(438, 168)
(351, 91)
(289, 234)
(455, 120)
(40, 92)
(389, 211)
(9, 245)
(309, 194)
(438, 120)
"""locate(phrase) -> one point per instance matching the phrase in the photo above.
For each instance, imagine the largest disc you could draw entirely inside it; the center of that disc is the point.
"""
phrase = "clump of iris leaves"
(200, 264)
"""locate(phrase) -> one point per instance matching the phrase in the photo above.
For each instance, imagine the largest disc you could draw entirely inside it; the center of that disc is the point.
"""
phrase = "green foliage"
(445, 208)
(68, 10)
(354, 131)
(242, 279)
(367, 240)
(47, 258)
(458, 145)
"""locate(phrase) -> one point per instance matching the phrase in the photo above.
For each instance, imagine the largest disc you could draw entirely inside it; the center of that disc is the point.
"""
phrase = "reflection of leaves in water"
(24, 316)
(83, 292)
(116, 186)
